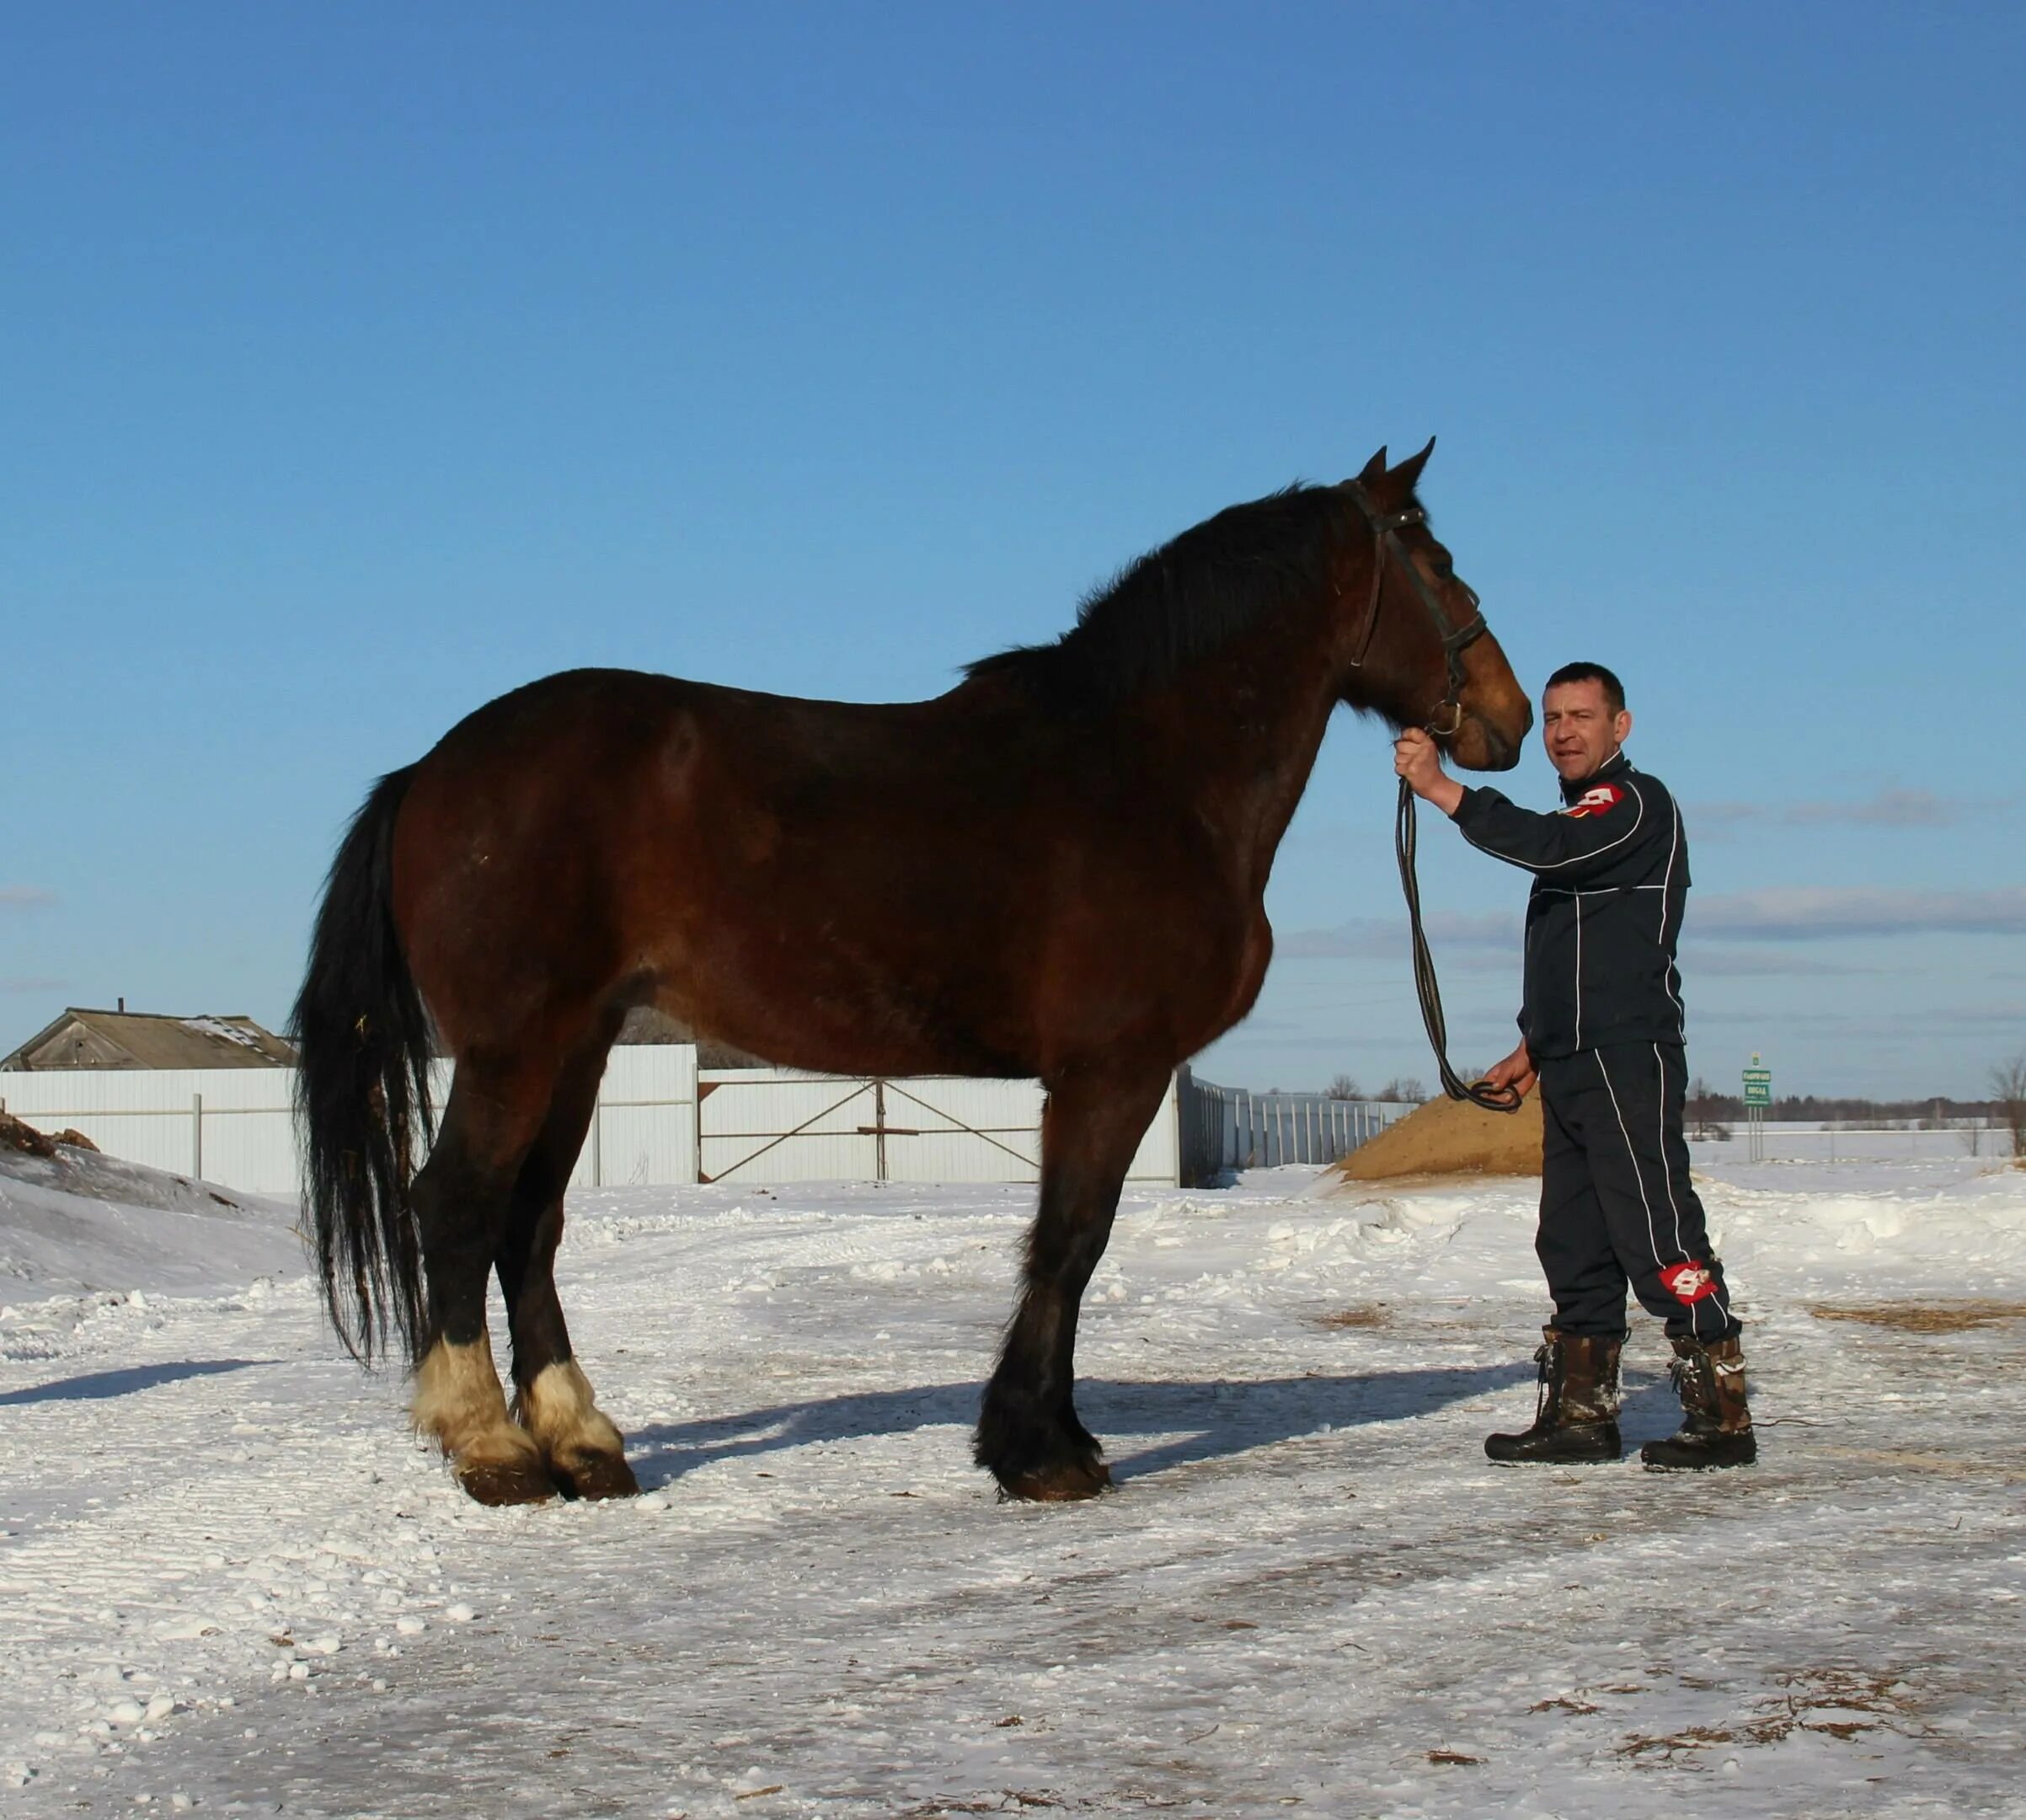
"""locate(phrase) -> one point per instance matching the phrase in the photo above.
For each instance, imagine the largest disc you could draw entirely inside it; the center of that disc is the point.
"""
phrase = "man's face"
(1579, 728)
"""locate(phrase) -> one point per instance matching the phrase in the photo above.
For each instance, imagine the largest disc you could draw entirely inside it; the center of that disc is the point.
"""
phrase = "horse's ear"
(1410, 471)
(1374, 469)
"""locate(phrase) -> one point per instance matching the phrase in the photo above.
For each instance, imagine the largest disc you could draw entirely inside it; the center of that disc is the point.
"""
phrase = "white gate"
(761, 1125)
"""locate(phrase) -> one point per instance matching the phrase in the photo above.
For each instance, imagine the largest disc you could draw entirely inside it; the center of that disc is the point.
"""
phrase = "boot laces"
(1695, 1382)
(1544, 1356)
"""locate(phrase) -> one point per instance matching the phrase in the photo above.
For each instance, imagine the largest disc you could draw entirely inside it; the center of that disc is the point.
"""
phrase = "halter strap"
(1385, 542)
(1455, 639)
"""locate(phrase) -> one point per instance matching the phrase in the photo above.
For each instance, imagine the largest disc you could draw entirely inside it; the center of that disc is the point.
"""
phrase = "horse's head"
(1412, 644)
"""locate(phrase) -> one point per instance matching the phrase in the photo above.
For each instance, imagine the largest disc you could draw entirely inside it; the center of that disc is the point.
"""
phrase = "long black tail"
(363, 1090)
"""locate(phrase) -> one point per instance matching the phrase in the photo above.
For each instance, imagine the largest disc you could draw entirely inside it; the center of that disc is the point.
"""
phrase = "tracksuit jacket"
(1610, 878)
(1603, 1023)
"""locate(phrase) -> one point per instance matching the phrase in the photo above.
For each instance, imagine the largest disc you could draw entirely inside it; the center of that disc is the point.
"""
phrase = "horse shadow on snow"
(1199, 1419)
(98, 1386)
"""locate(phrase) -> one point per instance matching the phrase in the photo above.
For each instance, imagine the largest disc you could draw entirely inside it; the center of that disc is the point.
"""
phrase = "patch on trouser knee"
(459, 1405)
(1689, 1281)
(559, 1410)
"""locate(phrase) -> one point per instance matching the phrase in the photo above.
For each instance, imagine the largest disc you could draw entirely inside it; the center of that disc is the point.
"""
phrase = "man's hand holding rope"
(1418, 759)
(1516, 1072)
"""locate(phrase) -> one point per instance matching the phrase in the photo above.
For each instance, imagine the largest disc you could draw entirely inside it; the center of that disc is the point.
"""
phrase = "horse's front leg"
(1030, 1438)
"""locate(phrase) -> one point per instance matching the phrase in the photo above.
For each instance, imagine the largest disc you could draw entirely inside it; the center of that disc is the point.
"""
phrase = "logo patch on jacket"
(1689, 1282)
(1600, 799)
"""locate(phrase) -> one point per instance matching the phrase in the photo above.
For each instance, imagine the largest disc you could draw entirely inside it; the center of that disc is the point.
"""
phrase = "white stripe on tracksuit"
(1680, 1253)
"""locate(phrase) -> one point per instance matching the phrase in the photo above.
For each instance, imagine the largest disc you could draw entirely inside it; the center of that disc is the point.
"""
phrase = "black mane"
(1188, 598)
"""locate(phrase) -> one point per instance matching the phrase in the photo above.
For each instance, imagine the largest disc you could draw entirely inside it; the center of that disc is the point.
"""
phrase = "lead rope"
(1491, 1099)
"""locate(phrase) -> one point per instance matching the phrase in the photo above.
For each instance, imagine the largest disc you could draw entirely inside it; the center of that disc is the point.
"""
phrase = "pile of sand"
(1452, 1138)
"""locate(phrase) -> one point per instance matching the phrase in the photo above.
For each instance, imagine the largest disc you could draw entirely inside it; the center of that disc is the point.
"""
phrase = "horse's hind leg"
(461, 1200)
(1030, 1438)
(583, 1453)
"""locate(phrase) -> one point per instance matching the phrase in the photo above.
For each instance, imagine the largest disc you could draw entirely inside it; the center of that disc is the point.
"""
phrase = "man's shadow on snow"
(1210, 1419)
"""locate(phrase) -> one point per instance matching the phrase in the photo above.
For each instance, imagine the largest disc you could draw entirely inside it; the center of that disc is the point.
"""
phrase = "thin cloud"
(1794, 913)
(26, 898)
(1936, 1020)
(1385, 938)
(1366, 938)
(1886, 809)
(1810, 913)
(1890, 808)
(1698, 961)
(33, 985)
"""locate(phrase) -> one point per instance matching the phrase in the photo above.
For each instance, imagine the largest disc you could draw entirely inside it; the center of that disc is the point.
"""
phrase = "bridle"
(1386, 544)
(1456, 640)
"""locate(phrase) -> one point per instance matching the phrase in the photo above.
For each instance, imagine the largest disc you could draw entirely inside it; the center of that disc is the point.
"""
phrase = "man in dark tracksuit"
(1601, 1031)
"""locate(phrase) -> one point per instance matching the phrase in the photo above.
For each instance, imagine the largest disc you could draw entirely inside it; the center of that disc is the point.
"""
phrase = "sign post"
(1758, 1096)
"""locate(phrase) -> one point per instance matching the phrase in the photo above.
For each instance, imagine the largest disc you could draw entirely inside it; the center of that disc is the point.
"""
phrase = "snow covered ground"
(230, 1581)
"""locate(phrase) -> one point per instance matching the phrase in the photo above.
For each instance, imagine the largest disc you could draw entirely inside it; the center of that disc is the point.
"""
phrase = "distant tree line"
(1401, 1088)
(2006, 1108)
(1706, 1106)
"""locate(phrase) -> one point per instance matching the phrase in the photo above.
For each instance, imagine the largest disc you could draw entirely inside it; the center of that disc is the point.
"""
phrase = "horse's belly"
(808, 1017)
(807, 966)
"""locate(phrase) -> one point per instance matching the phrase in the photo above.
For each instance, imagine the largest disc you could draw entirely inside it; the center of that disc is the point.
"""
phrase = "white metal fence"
(231, 1125)
(1232, 1127)
(658, 1122)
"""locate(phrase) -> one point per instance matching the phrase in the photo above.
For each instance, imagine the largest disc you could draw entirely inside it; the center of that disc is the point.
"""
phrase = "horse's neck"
(1245, 752)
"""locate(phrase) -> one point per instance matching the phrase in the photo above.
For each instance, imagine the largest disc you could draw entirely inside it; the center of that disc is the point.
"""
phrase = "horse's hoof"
(595, 1476)
(1067, 1482)
(511, 1481)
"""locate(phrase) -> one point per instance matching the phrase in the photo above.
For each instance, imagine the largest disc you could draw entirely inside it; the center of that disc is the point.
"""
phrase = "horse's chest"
(1255, 952)
(1227, 985)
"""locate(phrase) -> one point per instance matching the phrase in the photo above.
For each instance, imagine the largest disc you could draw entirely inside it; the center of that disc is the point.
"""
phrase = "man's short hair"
(1614, 690)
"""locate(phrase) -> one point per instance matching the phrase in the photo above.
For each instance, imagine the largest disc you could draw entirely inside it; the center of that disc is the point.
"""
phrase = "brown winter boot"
(1575, 1421)
(1716, 1425)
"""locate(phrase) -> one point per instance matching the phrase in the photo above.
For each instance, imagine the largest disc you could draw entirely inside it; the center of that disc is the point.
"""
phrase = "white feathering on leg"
(559, 1411)
(459, 1405)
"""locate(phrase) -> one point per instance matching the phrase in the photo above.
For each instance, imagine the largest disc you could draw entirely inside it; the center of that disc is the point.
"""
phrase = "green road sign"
(1758, 1085)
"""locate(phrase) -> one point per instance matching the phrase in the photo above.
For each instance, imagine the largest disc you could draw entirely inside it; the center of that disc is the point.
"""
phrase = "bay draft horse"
(1056, 869)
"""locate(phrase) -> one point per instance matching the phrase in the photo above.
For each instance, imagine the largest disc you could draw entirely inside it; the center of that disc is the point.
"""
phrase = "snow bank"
(83, 1235)
(82, 1222)
(1945, 1228)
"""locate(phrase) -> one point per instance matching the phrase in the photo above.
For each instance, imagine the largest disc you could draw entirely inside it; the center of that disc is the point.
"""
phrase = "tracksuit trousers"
(1616, 1207)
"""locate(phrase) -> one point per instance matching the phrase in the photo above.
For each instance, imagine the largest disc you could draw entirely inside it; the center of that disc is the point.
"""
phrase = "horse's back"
(788, 875)
(962, 884)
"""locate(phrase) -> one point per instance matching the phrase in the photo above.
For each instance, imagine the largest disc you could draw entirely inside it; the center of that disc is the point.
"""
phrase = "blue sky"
(363, 363)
